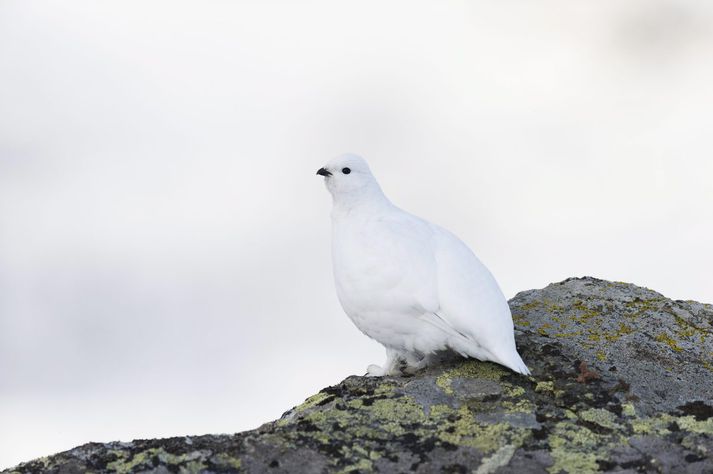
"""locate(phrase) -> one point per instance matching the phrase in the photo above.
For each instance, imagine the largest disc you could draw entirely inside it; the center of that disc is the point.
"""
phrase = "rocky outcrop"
(622, 381)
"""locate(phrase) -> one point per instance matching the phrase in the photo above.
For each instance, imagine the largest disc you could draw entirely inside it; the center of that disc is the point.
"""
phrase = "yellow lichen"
(363, 465)
(572, 449)
(584, 313)
(531, 305)
(469, 369)
(466, 431)
(658, 425)
(668, 340)
(313, 401)
(226, 460)
(189, 463)
(498, 459)
(601, 417)
(573, 462)
(689, 423)
(628, 409)
(547, 386)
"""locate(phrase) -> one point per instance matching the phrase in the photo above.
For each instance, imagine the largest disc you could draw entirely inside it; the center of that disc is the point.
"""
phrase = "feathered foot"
(391, 367)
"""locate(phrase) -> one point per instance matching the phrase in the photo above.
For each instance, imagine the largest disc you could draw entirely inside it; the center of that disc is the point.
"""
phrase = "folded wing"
(472, 303)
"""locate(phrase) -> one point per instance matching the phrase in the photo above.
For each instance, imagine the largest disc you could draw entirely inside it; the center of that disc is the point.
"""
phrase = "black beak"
(323, 172)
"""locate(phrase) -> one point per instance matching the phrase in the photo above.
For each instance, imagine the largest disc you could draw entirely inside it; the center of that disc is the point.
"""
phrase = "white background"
(164, 241)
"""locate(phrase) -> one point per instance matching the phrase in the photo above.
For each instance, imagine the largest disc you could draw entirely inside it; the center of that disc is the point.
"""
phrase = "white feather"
(409, 284)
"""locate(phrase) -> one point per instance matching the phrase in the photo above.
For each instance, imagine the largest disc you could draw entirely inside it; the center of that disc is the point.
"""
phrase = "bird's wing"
(470, 299)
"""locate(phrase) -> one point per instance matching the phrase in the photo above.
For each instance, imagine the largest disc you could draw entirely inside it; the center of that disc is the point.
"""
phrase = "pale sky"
(164, 241)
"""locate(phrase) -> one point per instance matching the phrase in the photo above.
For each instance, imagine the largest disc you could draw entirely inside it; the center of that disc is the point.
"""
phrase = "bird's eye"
(346, 170)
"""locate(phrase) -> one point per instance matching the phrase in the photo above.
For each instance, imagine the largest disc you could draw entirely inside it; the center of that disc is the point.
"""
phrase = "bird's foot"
(375, 371)
(414, 364)
(391, 367)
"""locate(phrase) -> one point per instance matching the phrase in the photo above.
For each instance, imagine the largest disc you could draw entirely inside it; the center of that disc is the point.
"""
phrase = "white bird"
(411, 285)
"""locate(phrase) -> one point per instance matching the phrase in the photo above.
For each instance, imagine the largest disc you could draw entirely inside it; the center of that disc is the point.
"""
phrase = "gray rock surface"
(622, 382)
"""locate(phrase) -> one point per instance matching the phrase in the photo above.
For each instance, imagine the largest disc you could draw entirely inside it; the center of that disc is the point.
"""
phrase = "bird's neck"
(367, 200)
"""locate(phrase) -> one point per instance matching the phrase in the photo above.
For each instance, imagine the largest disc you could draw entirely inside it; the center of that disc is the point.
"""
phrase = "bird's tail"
(514, 362)
(509, 357)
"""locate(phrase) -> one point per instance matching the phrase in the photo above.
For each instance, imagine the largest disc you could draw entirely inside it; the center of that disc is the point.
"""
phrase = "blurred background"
(164, 242)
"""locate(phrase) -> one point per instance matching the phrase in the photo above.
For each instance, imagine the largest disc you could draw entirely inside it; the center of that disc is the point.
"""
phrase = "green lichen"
(641, 307)
(573, 449)
(628, 409)
(617, 334)
(397, 415)
(660, 424)
(187, 463)
(657, 425)
(573, 462)
(308, 404)
(520, 320)
(325, 420)
(223, 459)
(362, 465)
(466, 431)
(689, 423)
(513, 391)
(497, 460)
(688, 330)
(519, 406)
(669, 341)
(394, 413)
(380, 418)
(601, 417)
(531, 305)
(313, 401)
(585, 313)
(192, 467)
(542, 330)
(122, 466)
(547, 386)
(470, 369)
(513, 401)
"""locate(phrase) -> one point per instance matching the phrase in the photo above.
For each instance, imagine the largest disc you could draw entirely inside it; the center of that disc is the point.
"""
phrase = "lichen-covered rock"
(622, 382)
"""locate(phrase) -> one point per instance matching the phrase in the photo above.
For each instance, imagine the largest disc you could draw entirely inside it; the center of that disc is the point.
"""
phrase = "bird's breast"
(362, 269)
(376, 269)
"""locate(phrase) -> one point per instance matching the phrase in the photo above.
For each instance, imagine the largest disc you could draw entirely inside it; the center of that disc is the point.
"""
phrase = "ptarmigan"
(409, 284)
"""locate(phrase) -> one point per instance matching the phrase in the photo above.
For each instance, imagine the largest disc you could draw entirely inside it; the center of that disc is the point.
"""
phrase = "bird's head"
(348, 176)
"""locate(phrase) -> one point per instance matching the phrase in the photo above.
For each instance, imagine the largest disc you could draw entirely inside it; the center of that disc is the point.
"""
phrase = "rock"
(622, 382)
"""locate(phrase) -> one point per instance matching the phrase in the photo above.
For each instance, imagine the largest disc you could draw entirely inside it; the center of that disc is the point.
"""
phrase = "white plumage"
(409, 284)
